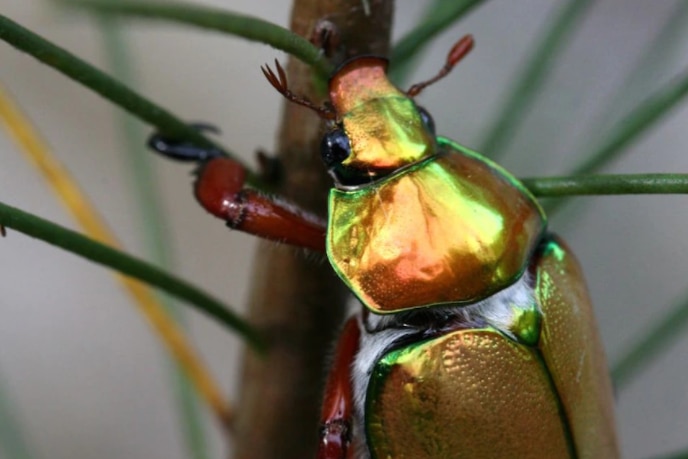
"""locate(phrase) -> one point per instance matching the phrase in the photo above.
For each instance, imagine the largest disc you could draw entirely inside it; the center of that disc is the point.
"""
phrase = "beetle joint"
(238, 209)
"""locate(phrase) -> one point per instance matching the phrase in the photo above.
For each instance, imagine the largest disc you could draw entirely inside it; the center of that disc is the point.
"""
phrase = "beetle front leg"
(337, 408)
(220, 189)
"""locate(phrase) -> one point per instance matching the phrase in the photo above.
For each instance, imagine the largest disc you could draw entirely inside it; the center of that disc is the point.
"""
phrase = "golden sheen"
(468, 394)
(573, 353)
(386, 134)
(382, 123)
(475, 393)
(454, 229)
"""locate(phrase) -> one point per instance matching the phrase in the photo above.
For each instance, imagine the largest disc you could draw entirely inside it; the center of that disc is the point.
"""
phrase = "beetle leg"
(219, 188)
(184, 151)
(335, 430)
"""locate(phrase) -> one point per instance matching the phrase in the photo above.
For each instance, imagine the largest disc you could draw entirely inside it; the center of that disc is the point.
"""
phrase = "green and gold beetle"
(477, 338)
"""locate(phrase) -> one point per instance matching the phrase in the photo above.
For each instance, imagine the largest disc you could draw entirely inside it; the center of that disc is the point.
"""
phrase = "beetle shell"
(469, 393)
(453, 229)
(478, 393)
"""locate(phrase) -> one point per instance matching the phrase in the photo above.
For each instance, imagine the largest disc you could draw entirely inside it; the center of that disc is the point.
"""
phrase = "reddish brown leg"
(335, 431)
(220, 190)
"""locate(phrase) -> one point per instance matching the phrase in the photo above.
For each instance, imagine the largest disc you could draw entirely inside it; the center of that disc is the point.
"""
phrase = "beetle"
(477, 337)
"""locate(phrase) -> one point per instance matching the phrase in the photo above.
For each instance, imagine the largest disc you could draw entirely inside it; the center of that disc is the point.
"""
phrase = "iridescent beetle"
(477, 338)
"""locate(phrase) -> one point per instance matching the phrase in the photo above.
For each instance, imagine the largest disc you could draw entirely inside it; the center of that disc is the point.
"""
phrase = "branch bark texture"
(297, 302)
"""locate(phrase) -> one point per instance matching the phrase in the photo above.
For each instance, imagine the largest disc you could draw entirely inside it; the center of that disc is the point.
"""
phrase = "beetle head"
(378, 128)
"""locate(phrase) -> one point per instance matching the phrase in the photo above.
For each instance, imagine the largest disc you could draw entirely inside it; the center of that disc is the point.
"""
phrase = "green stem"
(247, 27)
(119, 261)
(652, 344)
(535, 71)
(442, 16)
(675, 455)
(650, 69)
(13, 440)
(145, 198)
(608, 184)
(68, 64)
(635, 124)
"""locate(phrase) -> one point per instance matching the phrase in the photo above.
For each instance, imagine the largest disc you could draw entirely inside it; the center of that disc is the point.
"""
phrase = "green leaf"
(103, 84)
(608, 184)
(675, 455)
(528, 83)
(13, 442)
(206, 17)
(441, 15)
(659, 336)
(146, 199)
(119, 261)
(633, 126)
(636, 123)
(649, 71)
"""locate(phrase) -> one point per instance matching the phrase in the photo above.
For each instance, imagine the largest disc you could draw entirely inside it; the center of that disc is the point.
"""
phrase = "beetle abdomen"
(467, 394)
(571, 348)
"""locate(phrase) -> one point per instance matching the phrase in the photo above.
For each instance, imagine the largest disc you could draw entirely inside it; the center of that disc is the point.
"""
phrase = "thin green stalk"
(633, 126)
(146, 200)
(206, 17)
(78, 244)
(535, 71)
(608, 185)
(649, 70)
(96, 80)
(651, 345)
(12, 440)
(675, 455)
(636, 123)
(441, 15)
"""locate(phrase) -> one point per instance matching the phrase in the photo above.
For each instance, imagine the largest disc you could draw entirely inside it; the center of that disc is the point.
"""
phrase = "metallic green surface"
(466, 394)
(526, 325)
(386, 134)
(383, 125)
(448, 144)
(571, 348)
(452, 229)
(476, 393)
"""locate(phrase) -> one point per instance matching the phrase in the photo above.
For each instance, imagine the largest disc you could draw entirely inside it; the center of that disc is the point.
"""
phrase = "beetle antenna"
(457, 53)
(279, 82)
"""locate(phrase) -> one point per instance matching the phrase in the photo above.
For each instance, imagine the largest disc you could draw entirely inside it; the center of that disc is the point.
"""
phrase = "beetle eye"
(335, 148)
(427, 120)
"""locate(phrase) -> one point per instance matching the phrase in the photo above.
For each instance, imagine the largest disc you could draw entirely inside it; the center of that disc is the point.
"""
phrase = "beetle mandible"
(477, 338)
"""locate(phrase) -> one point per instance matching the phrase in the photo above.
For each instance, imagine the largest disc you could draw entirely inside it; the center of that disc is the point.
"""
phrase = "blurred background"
(85, 375)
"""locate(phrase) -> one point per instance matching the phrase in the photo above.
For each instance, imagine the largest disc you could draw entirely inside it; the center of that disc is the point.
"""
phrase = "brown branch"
(297, 301)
